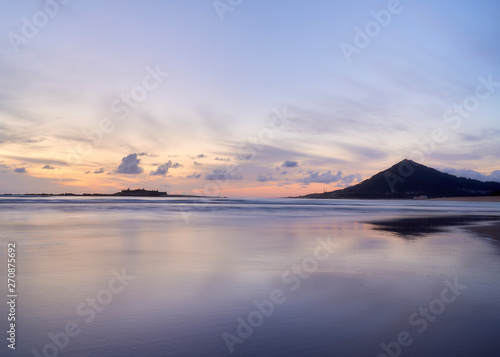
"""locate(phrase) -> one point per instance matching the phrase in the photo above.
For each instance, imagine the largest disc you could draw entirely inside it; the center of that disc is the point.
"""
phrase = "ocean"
(119, 276)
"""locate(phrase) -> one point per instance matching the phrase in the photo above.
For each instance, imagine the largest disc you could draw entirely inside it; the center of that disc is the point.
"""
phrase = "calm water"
(260, 277)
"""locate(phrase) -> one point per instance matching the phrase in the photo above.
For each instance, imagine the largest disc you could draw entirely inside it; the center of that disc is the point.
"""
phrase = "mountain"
(408, 179)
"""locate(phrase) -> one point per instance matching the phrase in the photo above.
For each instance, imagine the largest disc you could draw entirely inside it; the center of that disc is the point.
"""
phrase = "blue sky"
(226, 80)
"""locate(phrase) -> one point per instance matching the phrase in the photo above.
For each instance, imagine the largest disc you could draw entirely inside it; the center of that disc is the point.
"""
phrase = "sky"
(244, 98)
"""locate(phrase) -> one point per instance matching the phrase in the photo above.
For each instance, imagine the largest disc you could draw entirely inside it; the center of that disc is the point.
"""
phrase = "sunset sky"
(259, 98)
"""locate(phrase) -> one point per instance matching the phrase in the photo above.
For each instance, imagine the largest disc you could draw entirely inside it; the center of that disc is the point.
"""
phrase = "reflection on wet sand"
(416, 227)
(491, 231)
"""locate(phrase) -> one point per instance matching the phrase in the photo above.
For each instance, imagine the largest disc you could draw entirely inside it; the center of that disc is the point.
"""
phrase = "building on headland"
(141, 192)
(421, 197)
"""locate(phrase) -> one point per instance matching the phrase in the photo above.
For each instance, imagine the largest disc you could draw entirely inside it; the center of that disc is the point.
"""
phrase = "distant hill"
(409, 179)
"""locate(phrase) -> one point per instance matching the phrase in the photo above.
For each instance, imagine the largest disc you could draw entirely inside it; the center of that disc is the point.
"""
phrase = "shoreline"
(468, 199)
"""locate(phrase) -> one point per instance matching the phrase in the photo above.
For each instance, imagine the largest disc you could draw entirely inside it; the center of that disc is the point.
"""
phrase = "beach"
(247, 277)
(469, 199)
(490, 230)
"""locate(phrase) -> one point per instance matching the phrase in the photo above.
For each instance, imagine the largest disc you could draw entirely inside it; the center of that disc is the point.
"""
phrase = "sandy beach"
(470, 199)
(364, 270)
(490, 230)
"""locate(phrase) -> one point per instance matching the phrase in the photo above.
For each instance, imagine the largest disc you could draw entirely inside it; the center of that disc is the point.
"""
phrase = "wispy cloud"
(35, 160)
(222, 175)
(355, 118)
(35, 140)
(365, 152)
(266, 178)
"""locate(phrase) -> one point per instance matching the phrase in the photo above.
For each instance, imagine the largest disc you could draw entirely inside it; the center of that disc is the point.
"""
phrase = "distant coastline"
(96, 195)
(140, 192)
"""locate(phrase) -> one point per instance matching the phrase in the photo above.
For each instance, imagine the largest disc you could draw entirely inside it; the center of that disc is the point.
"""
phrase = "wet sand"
(191, 281)
(491, 230)
(469, 199)
(415, 227)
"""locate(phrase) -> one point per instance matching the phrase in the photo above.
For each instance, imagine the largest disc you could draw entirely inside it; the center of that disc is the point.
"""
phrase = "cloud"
(197, 164)
(87, 172)
(36, 160)
(221, 159)
(365, 153)
(194, 176)
(316, 177)
(162, 169)
(200, 156)
(467, 173)
(20, 170)
(100, 171)
(218, 174)
(48, 167)
(350, 179)
(288, 163)
(266, 178)
(130, 165)
(35, 140)
(269, 155)
(244, 157)
(4, 166)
